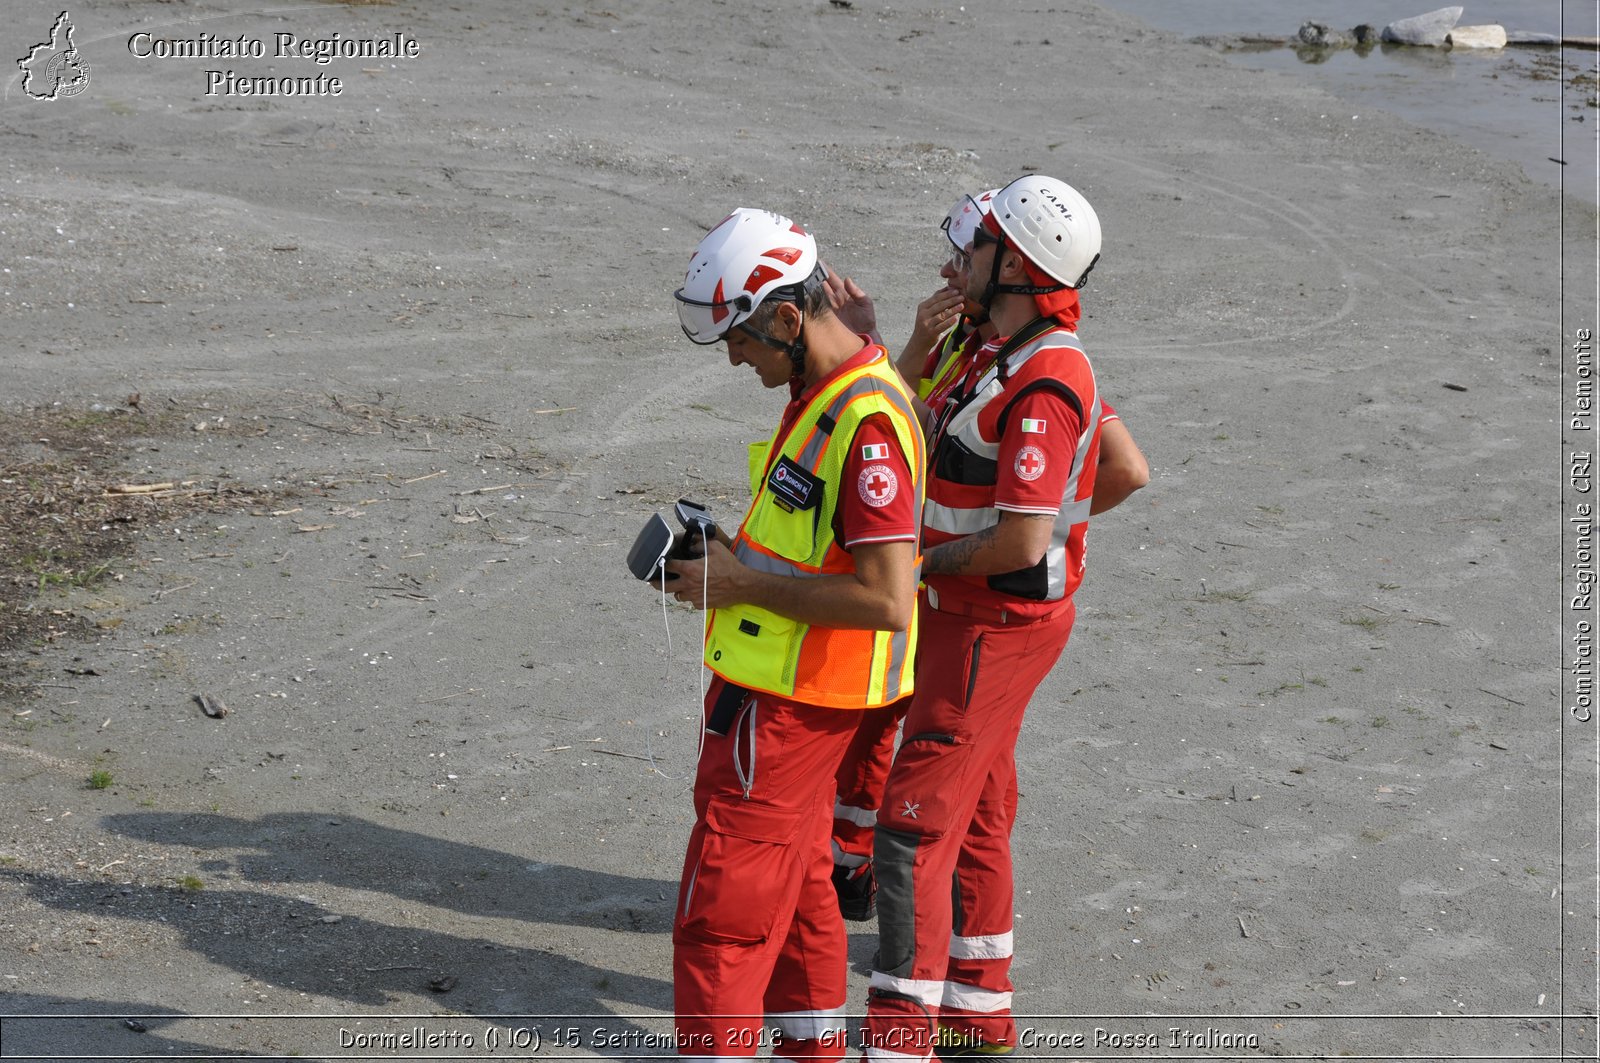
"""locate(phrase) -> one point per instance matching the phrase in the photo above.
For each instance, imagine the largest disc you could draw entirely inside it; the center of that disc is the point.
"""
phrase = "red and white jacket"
(1021, 432)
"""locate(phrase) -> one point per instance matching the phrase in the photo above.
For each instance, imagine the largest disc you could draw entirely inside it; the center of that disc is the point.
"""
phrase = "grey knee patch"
(893, 853)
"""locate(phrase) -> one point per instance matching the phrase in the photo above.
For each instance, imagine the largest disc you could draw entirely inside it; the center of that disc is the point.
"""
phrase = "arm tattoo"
(952, 559)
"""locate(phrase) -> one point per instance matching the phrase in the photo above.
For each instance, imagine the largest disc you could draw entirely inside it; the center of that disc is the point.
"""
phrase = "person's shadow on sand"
(74, 1026)
(358, 854)
(300, 946)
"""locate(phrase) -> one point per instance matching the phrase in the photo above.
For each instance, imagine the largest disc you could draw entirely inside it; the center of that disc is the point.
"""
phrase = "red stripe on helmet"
(719, 307)
(759, 276)
(789, 255)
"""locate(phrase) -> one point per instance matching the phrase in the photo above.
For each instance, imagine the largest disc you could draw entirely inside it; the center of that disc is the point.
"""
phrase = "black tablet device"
(650, 549)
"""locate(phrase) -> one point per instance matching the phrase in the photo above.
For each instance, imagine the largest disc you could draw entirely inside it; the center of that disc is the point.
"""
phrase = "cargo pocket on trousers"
(743, 874)
(924, 785)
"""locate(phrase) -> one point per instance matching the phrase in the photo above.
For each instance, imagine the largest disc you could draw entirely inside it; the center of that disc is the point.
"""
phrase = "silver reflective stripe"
(897, 661)
(688, 893)
(954, 521)
(844, 859)
(1074, 512)
(987, 947)
(964, 425)
(811, 454)
(1055, 569)
(875, 1054)
(767, 563)
(861, 817)
(971, 998)
(928, 991)
(808, 1025)
(1058, 338)
(1073, 509)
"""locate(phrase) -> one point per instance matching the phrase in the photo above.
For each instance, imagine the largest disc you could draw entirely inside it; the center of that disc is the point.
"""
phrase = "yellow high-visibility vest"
(949, 363)
(788, 530)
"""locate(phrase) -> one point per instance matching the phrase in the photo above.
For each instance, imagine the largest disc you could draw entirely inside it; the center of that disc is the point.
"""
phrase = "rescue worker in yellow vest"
(812, 618)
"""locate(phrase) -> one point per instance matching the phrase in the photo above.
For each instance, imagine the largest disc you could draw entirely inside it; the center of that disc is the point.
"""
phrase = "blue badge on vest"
(792, 484)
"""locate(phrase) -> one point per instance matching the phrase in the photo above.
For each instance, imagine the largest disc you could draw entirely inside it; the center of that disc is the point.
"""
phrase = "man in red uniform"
(950, 329)
(1013, 452)
(812, 620)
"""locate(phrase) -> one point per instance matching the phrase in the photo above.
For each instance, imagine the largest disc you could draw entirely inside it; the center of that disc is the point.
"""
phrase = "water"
(1519, 103)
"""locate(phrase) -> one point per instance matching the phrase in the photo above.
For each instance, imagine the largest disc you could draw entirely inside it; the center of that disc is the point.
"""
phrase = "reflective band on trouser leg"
(852, 835)
(924, 991)
(987, 947)
(861, 817)
(974, 1000)
(902, 1018)
(981, 947)
(846, 859)
(811, 1035)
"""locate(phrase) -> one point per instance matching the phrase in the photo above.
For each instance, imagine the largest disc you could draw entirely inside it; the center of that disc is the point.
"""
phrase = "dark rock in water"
(1321, 35)
(1245, 43)
(1427, 31)
(1366, 33)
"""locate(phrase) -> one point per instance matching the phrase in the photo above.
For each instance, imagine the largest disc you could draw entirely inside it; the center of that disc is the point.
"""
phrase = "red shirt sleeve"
(877, 503)
(1107, 412)
(1036, 452)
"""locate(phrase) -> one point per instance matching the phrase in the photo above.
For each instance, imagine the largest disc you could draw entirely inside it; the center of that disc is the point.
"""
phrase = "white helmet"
(749, 256)
(1051, 223)
(965, 216)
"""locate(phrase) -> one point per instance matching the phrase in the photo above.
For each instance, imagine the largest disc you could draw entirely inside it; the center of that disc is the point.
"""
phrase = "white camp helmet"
(1051, 223)
(965, 216)
(747, 257)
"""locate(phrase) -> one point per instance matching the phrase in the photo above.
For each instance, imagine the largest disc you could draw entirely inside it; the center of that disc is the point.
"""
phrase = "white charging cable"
(705, 621)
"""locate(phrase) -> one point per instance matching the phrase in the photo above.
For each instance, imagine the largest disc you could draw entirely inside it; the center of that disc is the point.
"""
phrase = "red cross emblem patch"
(1029, 463)
(878, 485)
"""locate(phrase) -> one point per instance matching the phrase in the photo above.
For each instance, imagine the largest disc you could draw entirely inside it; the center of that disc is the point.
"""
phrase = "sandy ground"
(1303, 784)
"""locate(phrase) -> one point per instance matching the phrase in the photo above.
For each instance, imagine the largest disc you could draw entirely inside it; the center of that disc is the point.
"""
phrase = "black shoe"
(858, 891)
(957, 1044)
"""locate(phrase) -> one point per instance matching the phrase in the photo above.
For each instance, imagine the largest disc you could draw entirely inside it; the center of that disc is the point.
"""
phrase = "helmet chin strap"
(991, 289)
(795, 348)
(994, 287)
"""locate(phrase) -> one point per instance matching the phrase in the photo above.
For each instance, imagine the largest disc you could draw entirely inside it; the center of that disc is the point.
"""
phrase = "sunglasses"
(981, 236)
(959, 260)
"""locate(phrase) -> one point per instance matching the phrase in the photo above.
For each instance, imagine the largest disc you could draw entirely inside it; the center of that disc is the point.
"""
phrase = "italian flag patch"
(1032, 426)
(874, 451)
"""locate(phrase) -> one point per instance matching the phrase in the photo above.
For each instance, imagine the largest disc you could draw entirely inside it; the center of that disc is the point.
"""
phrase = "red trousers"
(951, 799)
(859, 782)
(757, 930)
